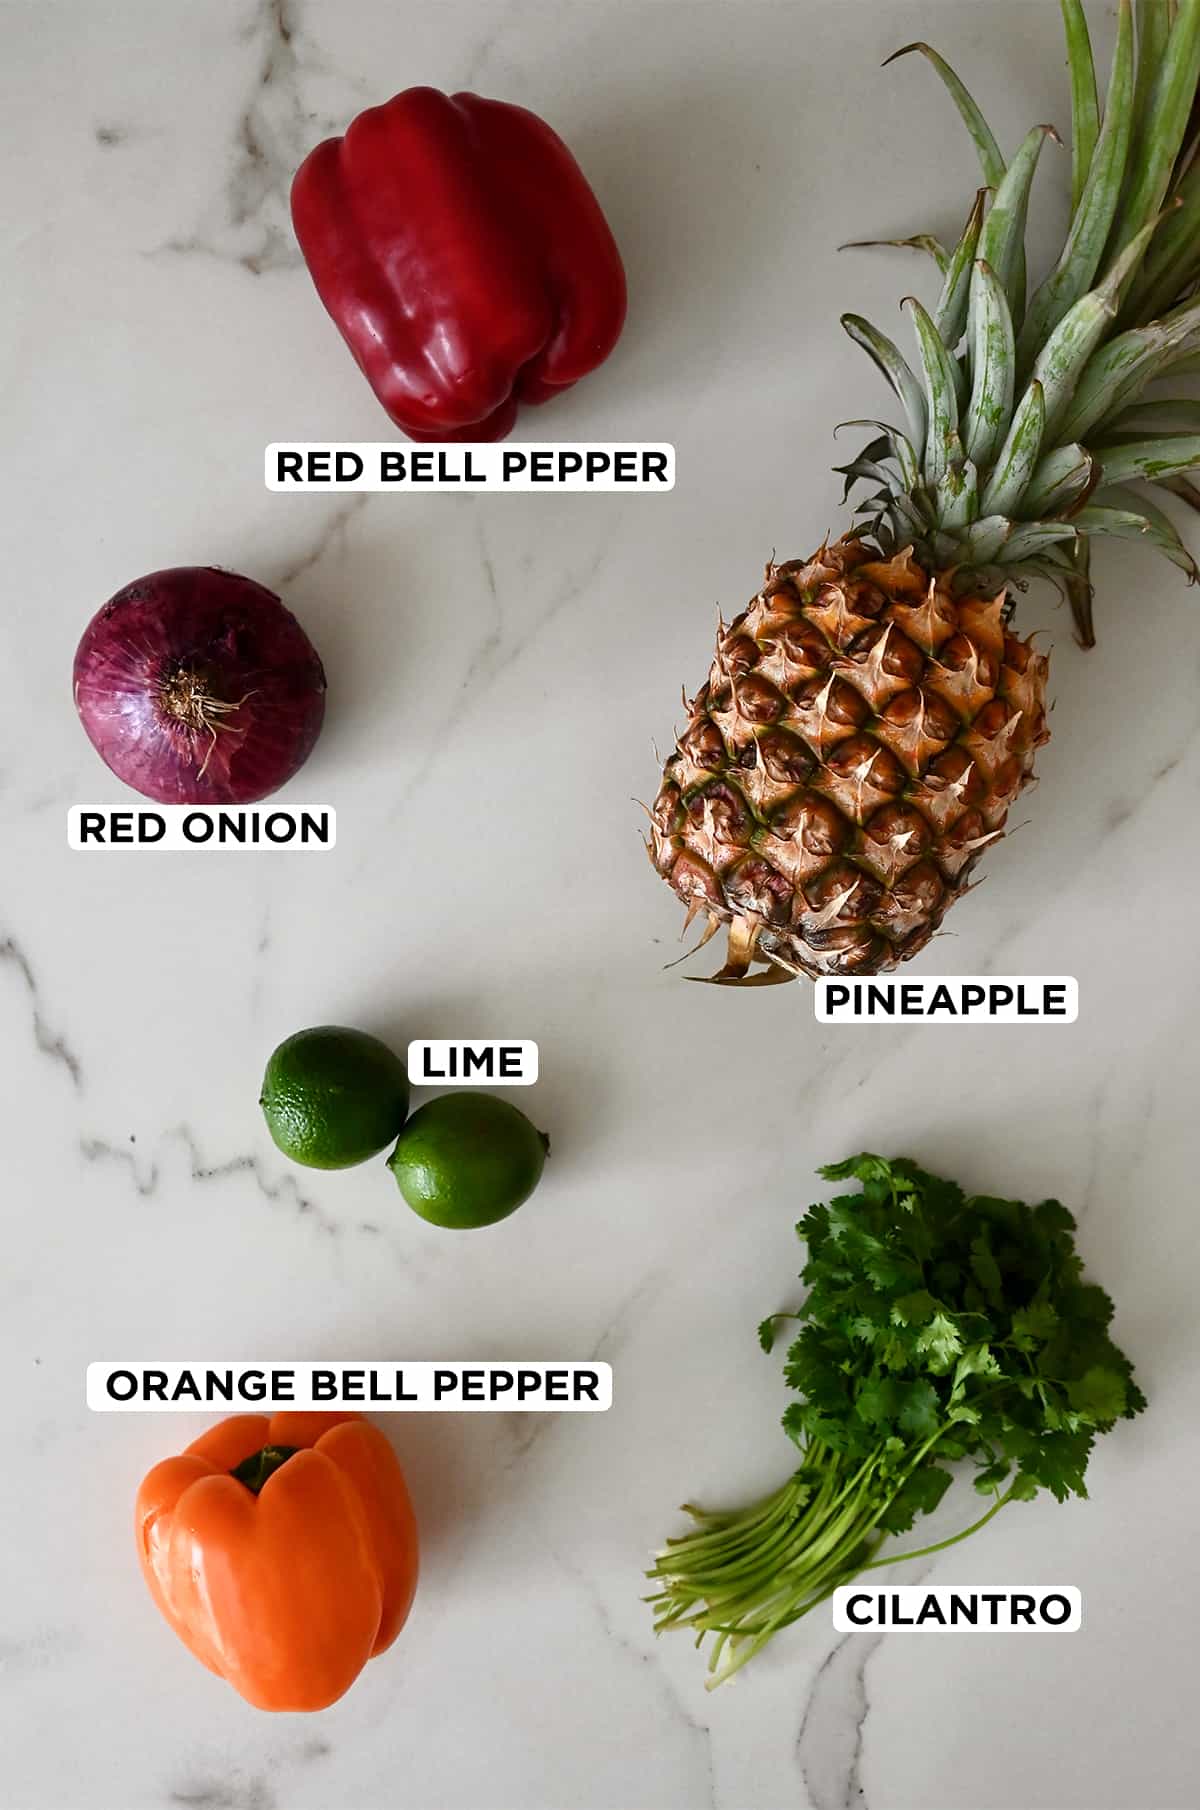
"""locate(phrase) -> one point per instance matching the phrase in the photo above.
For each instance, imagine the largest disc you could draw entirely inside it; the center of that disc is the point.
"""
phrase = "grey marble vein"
(829, 1746)
(262, 947)
(830, 1742)
(648, 1659)
(99, 1150)
(50, 1043)
(45, 1649)
(501, 19)
(334, 531)
(626, 1318)
(491, 657)
(250, 222)
(528, 1430)
(283, 1189)
(214, 1794)
(207, 1787)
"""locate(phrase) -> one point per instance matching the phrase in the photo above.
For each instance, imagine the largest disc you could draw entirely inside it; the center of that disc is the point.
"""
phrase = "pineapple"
(870, 718)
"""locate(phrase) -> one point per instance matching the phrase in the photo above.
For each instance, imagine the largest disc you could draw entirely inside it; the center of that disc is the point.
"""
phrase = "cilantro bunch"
(936, 1328)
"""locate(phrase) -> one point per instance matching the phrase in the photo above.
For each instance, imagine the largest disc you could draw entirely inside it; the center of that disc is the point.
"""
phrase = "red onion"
(198, 687)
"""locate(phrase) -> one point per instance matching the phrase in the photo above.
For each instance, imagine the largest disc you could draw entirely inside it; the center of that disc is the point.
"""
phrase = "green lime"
(333, 1097)
(468, 1159)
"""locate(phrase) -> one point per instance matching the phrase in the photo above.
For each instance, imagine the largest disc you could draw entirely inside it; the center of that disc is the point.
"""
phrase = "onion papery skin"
(198, 686)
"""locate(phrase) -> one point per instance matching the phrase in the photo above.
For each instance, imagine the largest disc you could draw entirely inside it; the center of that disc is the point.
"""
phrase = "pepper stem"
(255, 1470)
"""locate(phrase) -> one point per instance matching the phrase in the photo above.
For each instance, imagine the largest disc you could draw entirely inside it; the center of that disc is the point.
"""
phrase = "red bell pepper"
(463, 257)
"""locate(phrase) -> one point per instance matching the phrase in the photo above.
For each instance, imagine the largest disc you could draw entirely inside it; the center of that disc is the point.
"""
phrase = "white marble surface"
(498, 668)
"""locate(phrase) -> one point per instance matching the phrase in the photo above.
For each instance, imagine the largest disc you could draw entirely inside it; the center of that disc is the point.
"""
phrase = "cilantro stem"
(742, 1577)
(922, 1552)
(742, 1593)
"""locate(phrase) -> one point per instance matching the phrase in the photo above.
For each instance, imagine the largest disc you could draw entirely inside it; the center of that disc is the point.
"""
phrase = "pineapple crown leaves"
(1028, 426)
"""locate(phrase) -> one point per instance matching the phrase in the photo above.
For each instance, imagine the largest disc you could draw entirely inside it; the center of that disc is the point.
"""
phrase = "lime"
(333, 1097)
(468, 1159)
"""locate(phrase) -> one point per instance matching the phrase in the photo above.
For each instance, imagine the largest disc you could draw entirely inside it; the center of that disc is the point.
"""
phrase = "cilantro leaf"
(767, 1329)
(920, 1495)
(940, 1341)
(1033, 1325)
(919, 1409)
(916, 1309)
(878, 1401)
(862, 1168)
(1099, 1395)
(986, 1270)
(1059, 1461)
(976, 1360)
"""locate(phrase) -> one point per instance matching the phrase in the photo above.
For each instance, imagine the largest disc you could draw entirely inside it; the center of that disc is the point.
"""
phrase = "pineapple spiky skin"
(860, 740)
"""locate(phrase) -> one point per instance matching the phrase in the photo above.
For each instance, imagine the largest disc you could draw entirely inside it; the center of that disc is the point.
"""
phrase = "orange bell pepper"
(283, 1552)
